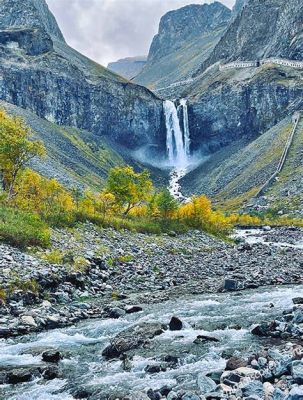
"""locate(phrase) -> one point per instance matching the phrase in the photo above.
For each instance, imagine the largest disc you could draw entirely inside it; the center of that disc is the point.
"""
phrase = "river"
(228, 317)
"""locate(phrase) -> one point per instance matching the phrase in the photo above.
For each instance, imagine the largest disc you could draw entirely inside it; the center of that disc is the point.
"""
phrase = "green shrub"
(22, 229)
(2, 296)
(53, 257)
(29, 285)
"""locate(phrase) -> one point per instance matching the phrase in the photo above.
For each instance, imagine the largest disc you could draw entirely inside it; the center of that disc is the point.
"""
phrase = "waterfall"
(183, 104)
(177, 141)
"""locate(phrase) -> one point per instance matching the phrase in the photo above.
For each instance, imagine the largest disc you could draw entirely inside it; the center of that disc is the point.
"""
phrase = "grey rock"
(254, 388)
(278, 394)
(205, 338)
(190, 396)
(298, 317)
(205, 384)
(186, 35)
(296, 393)
(297, 371)
(132, 338)
(115, 312)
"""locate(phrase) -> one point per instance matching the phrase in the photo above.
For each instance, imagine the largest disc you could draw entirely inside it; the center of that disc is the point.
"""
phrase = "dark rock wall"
(41, 73)
(32, 41)
(229, 111)
(127, 114)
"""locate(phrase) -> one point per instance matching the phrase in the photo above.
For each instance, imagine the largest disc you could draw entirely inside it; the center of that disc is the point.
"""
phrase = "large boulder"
(235, 362)
(231, 285)
(296, 393)
(238, 374)
(52, 356)
(132, 338)
(297, 371)
(205, 384)
(175, 324)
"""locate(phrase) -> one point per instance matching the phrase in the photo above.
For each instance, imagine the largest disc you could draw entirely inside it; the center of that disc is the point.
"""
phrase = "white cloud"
(106, 30)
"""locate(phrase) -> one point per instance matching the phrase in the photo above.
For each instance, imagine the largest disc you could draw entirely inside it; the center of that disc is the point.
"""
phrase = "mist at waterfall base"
(178, 155)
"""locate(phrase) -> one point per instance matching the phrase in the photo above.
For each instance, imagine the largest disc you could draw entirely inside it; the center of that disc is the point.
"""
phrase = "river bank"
(120, 291)
(122, 269)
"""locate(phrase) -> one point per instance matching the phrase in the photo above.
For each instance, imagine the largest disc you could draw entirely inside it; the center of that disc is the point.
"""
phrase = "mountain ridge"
(186, 37)
(128, 67)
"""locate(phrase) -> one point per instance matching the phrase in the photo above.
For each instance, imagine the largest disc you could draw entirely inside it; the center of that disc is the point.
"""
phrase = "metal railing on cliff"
(296, 119)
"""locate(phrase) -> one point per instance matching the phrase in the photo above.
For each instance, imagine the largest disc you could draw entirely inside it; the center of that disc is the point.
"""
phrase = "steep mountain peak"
(180, 25)
(185, 40)
(29, 14)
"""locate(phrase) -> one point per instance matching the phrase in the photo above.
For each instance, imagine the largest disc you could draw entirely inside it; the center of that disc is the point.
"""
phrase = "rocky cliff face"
(271, 28)
(29, 13)
(128, 67)
(186, 37)
(238, 6)
(241, 104)
(229, 105)
(177, 27)
(41, 73)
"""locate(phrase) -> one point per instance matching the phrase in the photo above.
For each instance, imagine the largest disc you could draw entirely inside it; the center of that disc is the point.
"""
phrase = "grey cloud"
(106, 30)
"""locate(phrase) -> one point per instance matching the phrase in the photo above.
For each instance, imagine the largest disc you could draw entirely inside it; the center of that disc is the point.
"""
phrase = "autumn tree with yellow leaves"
(16, 150)
(129, 188)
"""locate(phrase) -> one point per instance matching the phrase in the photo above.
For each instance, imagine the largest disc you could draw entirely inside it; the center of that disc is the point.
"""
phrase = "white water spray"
(177, 142)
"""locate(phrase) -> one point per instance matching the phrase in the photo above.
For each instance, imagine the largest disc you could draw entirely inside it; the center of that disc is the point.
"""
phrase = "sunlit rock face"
(40, 72)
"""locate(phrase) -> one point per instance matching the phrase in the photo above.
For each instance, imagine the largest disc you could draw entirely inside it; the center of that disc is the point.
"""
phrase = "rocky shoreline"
(122, 269)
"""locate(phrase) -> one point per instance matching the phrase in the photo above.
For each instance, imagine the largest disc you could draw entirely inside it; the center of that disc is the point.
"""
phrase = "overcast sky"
(106, 30)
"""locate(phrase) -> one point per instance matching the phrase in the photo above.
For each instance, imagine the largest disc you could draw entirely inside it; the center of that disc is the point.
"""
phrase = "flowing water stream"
(178, 144)
(84, 367)
(253, 236)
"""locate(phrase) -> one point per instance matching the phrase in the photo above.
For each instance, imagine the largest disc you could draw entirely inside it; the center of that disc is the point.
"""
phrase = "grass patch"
(3, 296)
(53, 257)
(29, 285)
(22, 229)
